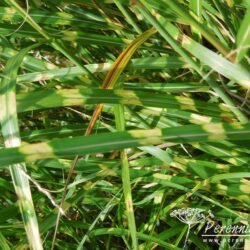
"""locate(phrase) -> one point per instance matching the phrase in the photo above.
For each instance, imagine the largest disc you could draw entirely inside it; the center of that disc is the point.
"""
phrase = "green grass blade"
(53, 18)
(120, 140)
(120, 125)
(4, 243)
(57, 44)
(10, 132)
(196, 8)
(75, 97)
(175, 6)
(119, 232)
(170, 33)
(29, 62)
(127, 16)
(243, 37)
(153, 63)
(217, 63)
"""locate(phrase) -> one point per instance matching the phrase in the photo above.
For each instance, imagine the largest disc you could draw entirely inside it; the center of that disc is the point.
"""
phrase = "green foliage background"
(164, 84)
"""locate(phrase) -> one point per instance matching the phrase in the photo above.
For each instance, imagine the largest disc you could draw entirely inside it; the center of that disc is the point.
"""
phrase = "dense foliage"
(124, 124)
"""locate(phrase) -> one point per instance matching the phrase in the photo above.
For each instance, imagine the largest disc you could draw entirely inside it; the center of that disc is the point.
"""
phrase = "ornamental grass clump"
(124, 124)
